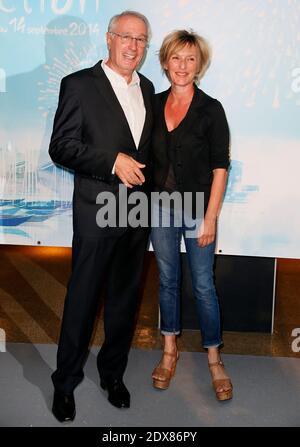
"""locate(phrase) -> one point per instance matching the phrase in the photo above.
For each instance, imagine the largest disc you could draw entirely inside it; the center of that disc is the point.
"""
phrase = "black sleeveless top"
(170, 184)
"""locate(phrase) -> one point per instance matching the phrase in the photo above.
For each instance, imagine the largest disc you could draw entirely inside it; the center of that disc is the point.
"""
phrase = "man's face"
(124, 57)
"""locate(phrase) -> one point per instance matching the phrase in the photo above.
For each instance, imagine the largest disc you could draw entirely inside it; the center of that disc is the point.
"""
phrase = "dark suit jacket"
(90, 128)
(202, 144)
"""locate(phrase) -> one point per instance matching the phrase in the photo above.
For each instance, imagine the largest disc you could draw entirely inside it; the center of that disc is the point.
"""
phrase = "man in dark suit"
(102, 131)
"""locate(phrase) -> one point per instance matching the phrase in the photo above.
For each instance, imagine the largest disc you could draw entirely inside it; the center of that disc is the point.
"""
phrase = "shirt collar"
(117, 79)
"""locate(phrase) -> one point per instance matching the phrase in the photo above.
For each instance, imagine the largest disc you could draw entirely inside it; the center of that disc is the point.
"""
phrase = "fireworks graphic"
(73, 59)
(272, 27)
(269, 28)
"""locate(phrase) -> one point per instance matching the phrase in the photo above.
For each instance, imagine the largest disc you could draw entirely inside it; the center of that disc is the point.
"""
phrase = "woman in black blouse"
(190, 155)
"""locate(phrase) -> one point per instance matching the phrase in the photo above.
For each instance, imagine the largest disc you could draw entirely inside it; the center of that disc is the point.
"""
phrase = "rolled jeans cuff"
(212, 345)
(170, 332)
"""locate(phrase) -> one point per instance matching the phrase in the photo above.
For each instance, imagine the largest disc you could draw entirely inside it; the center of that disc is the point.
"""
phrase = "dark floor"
(33, 284)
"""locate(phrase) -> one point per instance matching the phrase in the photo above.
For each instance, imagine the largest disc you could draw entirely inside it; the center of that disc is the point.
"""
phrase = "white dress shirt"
(131, 99)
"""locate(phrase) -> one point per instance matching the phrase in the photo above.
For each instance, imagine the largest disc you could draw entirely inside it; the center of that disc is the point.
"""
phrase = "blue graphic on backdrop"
(255, 73)
(33, 190)
(236, 192)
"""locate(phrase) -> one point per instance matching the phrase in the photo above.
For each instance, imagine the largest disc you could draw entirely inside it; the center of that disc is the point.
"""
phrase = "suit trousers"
(117, 260)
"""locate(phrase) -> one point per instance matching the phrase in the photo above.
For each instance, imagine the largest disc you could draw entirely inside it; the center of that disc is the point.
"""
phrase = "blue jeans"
(166, 243)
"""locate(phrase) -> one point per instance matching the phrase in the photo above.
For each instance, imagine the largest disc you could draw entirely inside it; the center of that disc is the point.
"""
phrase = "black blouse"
(194, 149)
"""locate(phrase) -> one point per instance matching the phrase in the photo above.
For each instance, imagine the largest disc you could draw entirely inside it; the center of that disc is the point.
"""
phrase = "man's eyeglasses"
(127, 39)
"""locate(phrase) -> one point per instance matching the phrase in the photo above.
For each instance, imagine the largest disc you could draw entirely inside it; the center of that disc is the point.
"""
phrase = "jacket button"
(179, 165)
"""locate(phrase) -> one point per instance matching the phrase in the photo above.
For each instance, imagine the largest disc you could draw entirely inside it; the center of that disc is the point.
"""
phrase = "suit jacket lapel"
(148, 117)
(107, 92)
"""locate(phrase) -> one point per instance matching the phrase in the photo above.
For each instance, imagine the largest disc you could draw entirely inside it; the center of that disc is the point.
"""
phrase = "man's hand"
(129, 170)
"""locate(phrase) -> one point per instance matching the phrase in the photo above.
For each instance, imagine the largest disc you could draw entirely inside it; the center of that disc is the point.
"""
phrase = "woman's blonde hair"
(177, 40)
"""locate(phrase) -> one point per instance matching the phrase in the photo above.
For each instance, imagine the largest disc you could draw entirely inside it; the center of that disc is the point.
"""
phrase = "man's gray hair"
(113, 21)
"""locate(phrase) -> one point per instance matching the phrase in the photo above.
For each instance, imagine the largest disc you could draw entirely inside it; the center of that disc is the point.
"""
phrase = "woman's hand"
(208, 227)
(207, 232)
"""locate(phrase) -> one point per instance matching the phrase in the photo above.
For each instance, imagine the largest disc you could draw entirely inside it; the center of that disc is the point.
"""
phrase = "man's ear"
(108, 40)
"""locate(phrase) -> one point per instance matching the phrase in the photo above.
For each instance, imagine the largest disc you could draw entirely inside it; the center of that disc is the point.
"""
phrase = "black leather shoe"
(63, 407)
(118, 394)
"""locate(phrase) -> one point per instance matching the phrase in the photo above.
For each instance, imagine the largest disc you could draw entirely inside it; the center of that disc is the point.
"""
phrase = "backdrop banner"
(255, 73)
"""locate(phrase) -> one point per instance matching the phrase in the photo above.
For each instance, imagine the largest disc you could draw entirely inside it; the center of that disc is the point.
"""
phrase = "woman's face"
(183, 66)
